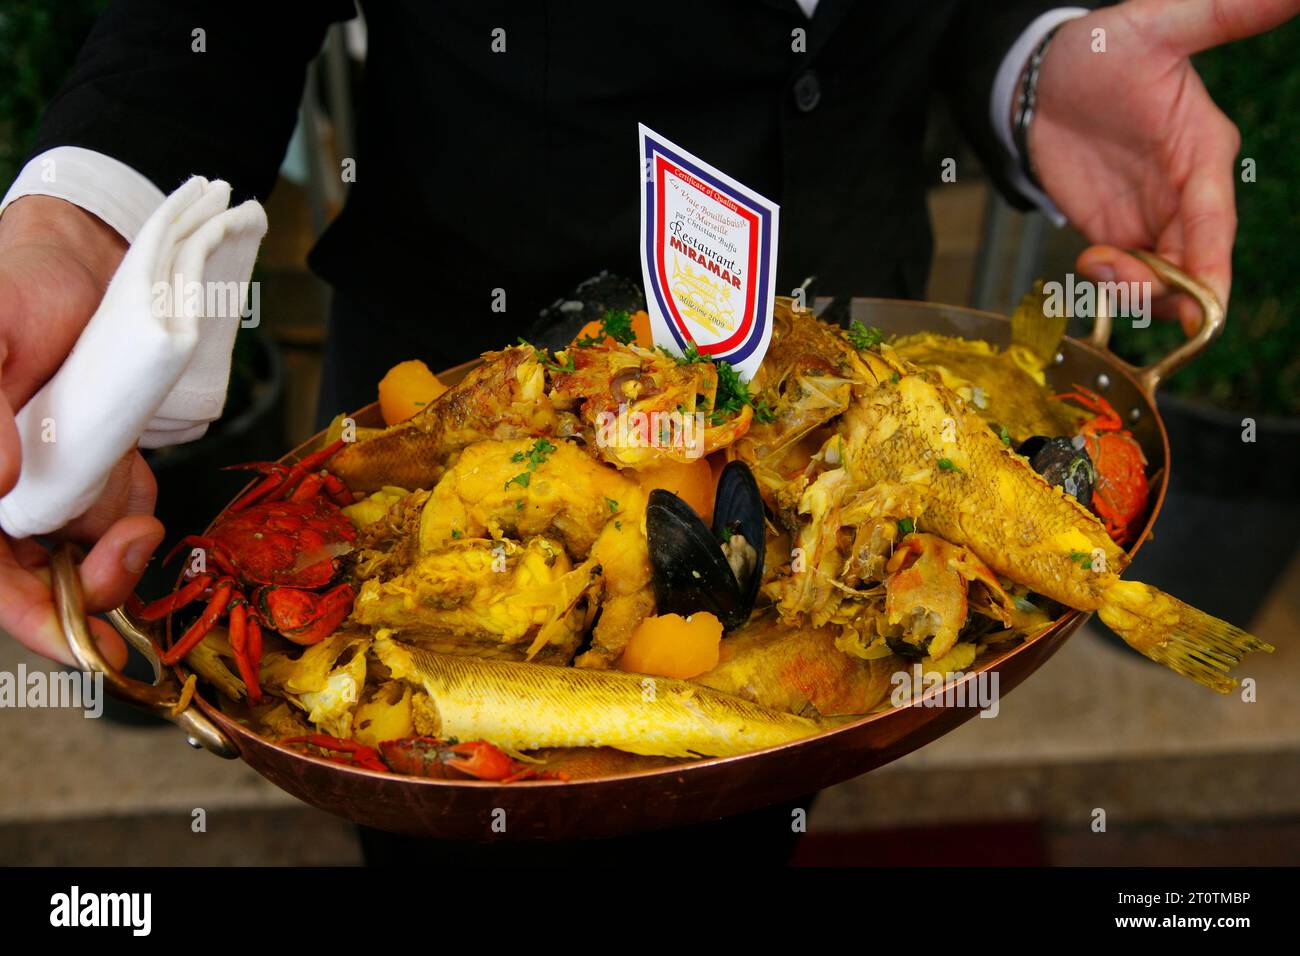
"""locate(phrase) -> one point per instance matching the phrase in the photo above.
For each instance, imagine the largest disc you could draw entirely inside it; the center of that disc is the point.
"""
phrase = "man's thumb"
(1194, 25)
(11, 449)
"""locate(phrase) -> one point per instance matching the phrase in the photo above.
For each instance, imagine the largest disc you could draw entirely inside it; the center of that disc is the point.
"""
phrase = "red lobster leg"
(305, 617)
(349, 751)
(160, 608)
(211, 549)
(1106, 420)
(196, 632)
(338, 492)
(279, 480)
(239, 644)
(309, 487)
(254, 643)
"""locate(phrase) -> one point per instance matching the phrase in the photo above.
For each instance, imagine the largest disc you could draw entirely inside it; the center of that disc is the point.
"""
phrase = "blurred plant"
(38, 42)
(1255, 364)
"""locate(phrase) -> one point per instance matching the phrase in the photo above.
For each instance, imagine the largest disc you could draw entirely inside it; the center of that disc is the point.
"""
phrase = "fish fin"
(1177, 635)
(1034, 329)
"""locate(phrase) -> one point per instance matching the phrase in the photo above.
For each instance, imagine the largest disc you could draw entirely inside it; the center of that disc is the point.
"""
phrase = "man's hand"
(55, 262)
(1129, 145)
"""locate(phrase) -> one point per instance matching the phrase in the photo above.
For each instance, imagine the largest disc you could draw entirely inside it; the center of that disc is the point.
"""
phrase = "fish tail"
(1036, 330)
(1177, 635)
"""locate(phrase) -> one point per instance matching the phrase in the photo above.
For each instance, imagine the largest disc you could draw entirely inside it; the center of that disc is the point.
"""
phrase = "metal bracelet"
(1026, 104)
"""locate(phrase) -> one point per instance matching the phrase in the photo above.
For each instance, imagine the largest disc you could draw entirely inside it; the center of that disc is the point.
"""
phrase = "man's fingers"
(111, 644)
(1190, 26)
(1208, 212)
(114, 565)
(27, 596)
(27, 607)
(130, 490)
(1111, 264)
(11, 449)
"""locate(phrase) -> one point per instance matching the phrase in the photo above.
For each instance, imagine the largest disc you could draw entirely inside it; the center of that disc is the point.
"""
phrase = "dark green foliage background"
(39, 39)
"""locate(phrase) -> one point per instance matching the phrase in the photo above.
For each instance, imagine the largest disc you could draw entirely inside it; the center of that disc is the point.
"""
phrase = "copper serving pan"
(619, 802)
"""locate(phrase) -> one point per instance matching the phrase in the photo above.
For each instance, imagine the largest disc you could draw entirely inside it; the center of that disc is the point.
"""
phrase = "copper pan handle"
(1212, 319)
(163, 696)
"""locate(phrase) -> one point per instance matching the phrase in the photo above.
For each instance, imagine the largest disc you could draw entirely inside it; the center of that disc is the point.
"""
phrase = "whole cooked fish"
(905, 427)
(531, 706)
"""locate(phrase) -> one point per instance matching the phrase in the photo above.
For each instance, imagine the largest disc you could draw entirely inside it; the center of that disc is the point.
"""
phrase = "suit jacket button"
(807, 91)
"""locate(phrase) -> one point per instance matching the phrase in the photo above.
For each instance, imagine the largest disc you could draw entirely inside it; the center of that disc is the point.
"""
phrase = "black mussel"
(1032, 445)
(695, 568)
(1063, 464)
(906, 649)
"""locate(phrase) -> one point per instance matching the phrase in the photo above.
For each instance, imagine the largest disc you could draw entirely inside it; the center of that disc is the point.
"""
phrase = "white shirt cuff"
(97, 183)
(1004, 92)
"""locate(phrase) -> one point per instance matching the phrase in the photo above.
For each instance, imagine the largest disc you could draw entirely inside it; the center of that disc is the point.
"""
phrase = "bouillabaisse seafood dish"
(611, 547)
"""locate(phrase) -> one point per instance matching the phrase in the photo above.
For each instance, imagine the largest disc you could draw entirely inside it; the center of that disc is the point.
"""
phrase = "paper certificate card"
(708, 257)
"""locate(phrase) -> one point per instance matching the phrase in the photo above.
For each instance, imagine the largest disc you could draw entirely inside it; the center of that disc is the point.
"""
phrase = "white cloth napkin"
(150, 368)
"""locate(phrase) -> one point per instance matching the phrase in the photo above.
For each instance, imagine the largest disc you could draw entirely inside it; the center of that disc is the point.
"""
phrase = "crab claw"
(304, 617)
(482, 760)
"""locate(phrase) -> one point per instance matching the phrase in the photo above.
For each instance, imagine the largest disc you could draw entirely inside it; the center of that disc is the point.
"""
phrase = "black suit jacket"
(479, 170)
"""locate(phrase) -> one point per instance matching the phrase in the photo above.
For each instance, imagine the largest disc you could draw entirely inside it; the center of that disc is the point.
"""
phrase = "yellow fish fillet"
(906, 427)
(530, 706)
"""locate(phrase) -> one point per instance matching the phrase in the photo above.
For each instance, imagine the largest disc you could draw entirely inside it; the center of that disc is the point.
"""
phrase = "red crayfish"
(283, 538)
(1121, 490)
(424, 757)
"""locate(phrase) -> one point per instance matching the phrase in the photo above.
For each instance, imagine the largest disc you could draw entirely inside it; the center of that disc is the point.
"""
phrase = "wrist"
(48, 220)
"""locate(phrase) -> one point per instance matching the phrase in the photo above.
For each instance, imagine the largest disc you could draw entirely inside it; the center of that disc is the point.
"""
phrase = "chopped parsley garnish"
(895, 378)
(618, 525)
(1004, 434)
(906, 526)
(519, 505)
(545, 360)
(690, 355)
(612, 505)
(537, 454)
(455, 533)
(616, 326)
(864, 337)
(1084, 559)
(946, 464)
(534, 456)
(732, 393)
